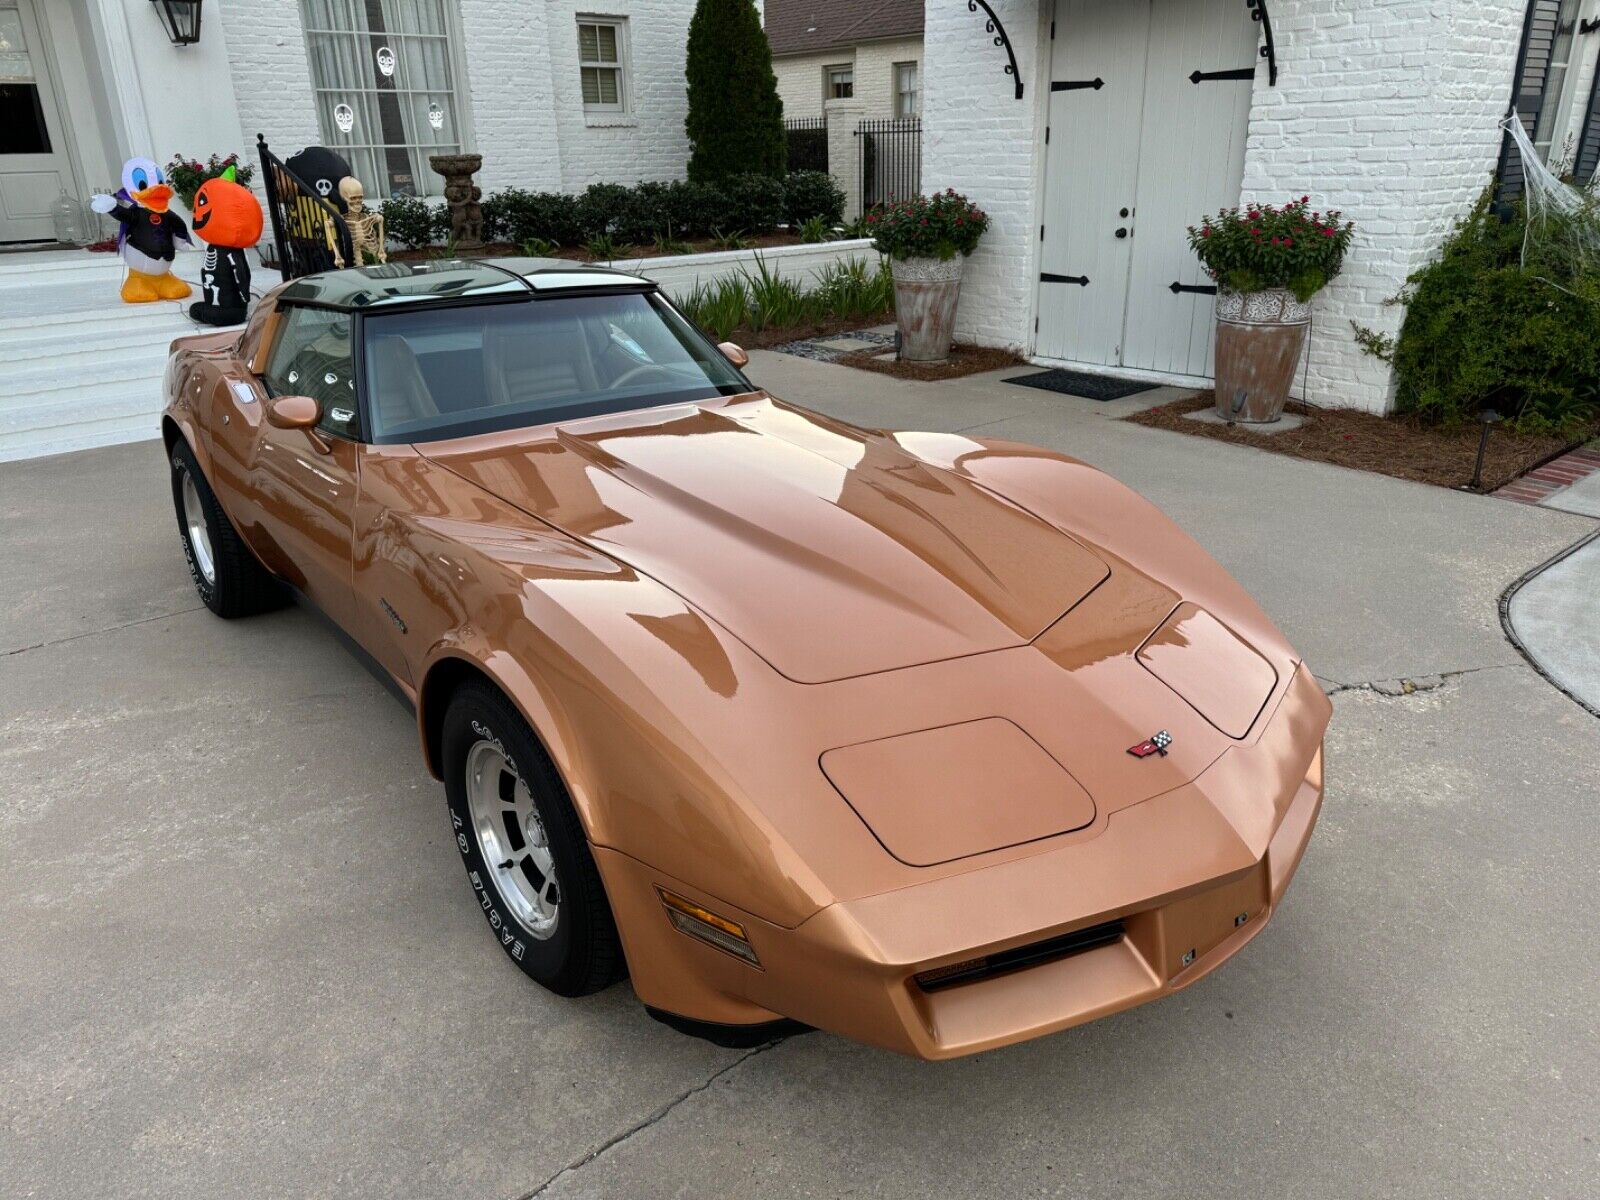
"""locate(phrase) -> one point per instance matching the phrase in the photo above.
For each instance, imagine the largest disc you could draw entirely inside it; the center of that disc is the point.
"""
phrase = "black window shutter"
(1589, 139)
(1528, 88)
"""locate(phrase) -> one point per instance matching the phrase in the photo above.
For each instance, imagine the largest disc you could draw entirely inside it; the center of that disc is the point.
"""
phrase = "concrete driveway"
(239, 956)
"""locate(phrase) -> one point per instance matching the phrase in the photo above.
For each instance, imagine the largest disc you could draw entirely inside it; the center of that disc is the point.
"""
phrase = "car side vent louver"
(1021, 958)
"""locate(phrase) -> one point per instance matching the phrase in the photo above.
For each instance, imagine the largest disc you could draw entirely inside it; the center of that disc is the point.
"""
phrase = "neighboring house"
(1126, 121)
(860, 53)
(555, 95)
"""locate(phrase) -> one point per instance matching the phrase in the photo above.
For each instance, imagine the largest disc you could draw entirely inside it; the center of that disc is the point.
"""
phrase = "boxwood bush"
(809, 194)
(642, 215)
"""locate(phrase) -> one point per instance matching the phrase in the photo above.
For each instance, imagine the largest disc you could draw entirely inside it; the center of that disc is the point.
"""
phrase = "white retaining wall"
(680, 274)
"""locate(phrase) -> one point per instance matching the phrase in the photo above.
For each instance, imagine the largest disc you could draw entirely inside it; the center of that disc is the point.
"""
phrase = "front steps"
(79, 368)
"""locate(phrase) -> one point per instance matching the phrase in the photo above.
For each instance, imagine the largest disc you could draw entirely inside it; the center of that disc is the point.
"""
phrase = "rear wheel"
(524, 847)
(230, 581)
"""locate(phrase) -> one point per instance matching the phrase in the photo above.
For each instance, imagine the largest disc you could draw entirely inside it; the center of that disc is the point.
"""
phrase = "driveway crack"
(1410, 685)
(89, 633)
(617, 1140)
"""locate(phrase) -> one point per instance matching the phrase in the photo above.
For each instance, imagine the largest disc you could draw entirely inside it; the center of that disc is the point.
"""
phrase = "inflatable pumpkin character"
(148, 234)
(228, 218)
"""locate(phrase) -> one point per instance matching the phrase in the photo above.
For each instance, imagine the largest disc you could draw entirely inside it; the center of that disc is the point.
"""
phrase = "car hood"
(829, 551)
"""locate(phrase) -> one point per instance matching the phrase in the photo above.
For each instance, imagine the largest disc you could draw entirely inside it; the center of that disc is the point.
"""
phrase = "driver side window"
(312, 358)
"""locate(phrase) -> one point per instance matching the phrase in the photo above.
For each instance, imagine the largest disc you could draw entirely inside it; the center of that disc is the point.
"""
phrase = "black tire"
(581, 954)
(238, 585)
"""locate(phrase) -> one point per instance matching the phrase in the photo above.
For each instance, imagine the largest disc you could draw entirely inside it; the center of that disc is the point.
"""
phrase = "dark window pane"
(22, 129)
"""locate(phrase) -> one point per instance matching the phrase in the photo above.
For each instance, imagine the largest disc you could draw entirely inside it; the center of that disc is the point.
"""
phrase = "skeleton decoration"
(368, 238)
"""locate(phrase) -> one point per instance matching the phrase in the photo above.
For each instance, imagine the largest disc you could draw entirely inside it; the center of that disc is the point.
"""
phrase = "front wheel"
(524, 848)
(230, 581)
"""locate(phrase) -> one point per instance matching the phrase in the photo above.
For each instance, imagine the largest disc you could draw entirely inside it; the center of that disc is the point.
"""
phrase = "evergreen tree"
(735, 121)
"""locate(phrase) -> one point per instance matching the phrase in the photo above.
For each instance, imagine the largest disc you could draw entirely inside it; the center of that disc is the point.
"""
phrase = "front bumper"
(1192, 875)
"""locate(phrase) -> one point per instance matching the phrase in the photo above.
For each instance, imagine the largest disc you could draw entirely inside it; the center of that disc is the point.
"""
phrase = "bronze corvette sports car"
(933, 741)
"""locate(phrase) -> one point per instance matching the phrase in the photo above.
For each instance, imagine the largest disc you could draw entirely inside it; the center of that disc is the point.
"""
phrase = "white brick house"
(1136, 117)
(865, 55)
(555, 94)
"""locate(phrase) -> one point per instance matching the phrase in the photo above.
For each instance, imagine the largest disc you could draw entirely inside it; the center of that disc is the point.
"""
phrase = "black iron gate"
(808, 143)
(300, 220)
(891, 159)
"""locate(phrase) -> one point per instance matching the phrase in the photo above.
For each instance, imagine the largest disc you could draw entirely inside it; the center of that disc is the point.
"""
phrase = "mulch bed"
(963, 360)
(579, 254)
(1399, 446)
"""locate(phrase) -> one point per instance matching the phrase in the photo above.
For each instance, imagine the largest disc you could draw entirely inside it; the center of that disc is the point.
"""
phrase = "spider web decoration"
(1562, 237)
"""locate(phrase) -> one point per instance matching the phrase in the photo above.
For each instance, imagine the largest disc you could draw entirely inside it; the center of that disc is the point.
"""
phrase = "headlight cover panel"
(1211, 668)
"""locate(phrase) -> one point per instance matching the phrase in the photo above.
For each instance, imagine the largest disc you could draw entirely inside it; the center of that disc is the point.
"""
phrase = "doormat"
(1078, 383)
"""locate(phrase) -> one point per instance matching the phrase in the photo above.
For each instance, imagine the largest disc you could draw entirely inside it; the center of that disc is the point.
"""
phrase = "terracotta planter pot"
(1260, 336)
(925, 294)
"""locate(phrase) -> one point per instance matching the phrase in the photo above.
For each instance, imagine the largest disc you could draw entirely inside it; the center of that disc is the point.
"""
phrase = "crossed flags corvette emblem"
(1152, 745)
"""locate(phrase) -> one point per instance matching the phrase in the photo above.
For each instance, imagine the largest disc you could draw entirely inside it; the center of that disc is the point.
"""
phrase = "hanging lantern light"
(181, 18)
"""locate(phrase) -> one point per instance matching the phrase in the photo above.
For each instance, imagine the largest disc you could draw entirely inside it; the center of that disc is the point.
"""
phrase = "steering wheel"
(633, 373)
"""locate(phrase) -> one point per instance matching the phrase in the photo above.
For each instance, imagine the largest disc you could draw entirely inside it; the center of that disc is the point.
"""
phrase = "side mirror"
(293, 412)
(734, 354)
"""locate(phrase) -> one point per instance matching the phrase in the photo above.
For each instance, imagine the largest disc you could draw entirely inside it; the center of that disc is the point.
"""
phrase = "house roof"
(798, 26)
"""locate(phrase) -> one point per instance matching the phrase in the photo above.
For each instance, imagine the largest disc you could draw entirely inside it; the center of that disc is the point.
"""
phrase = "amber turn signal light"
(704, 925)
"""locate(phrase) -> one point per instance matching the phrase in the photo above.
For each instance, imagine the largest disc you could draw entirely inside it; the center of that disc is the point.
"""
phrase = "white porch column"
(120, 70)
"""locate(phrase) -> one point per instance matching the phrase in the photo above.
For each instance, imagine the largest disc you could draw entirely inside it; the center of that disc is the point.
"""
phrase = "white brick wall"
(980, 140)
(800, 76)
(271, 73)
(1384, 108)
(1388, 112)
(648, 141)
(521, 99)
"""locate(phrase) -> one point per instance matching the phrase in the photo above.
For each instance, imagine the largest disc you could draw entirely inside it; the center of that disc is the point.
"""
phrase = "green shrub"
(1483, 331)
(755, 203)
(518, 216)
(848, 289)
(413, 222)
(599, 209)
(735, 119)
(815, 229)
(695, 209)
(813, 194)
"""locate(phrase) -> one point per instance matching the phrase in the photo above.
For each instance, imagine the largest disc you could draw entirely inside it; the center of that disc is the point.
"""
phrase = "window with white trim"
(907, 90)
(840, 82)
(602, 54)
(384, 74)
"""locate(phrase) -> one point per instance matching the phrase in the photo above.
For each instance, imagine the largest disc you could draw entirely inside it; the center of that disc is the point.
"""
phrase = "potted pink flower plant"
(1267, 263)
(927, 238)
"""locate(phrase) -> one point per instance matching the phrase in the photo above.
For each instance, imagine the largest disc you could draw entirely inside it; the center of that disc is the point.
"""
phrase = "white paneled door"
(1149, 105)
(33, 161)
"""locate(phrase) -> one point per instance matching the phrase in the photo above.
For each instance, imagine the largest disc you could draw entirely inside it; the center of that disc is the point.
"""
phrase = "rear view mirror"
(733, 353)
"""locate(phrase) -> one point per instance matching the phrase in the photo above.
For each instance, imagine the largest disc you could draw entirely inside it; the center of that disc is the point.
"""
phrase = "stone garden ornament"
(463, 196)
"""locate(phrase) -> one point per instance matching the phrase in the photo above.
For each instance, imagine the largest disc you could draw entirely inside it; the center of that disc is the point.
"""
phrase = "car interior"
(431, 372)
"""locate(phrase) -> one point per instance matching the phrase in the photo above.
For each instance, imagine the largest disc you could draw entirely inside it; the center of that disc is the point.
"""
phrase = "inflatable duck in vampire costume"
(149, 233)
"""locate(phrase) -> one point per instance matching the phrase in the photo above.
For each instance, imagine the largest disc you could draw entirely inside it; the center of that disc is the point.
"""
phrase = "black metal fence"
(891, 159)
(300, 220)
(808, 143)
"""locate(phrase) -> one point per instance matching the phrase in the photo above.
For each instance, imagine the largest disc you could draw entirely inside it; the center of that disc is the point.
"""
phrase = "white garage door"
(1149, 105)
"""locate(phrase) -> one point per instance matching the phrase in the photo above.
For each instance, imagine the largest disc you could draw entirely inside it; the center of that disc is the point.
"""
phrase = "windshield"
(443, 373)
